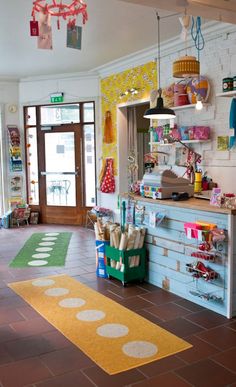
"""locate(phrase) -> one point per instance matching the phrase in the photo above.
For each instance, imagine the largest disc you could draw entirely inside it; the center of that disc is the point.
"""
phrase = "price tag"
(34, 28)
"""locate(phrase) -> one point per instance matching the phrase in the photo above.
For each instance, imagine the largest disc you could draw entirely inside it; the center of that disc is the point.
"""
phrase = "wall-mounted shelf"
(229, 94)
(189, 106)
(184, 141)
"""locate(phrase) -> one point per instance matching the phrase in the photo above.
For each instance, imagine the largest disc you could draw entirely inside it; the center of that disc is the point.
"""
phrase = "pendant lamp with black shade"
(159, 112)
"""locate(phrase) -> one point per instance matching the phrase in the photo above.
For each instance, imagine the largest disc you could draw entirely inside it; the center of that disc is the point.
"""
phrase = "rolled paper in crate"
(101, 258)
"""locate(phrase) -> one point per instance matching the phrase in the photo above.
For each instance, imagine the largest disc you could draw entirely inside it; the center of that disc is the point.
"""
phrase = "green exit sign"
(57, 98)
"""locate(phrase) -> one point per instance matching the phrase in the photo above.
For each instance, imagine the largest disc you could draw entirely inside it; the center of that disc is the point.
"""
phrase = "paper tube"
(123, 245)
(113, 263)
(116, 238)
(123, 241)
(96, 230)
(131, 239)
(134, 260)
(142, 237)
(112, 239)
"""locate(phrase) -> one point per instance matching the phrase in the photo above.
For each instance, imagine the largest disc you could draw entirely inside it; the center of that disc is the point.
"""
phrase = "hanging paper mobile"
(68, 11)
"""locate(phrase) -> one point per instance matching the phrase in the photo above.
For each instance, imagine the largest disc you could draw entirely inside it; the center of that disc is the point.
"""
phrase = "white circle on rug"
(90, 315)
(112, 330)
(43, 282)
(139, 349)
(44, 249)
(72, 302)
(56, 292)
(49, 239)
(40, 262)
(40, 255)
(52, 233)
(46, 243)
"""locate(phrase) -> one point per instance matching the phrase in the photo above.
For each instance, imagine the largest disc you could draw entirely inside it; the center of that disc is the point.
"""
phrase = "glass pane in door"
(60, 169)
(89, 165)
(32, 165)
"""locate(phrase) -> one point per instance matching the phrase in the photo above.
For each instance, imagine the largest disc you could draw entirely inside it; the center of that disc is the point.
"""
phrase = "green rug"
(43, 249)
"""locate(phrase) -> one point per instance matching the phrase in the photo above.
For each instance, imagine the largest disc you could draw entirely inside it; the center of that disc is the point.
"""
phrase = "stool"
(91, 218)
(21, 215)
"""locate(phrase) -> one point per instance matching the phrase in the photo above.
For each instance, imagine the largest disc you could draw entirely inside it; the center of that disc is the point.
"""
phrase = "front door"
(60, 175)
(60, 158)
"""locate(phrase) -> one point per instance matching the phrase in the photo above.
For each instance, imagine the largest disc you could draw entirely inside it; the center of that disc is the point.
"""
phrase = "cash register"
(165, 184)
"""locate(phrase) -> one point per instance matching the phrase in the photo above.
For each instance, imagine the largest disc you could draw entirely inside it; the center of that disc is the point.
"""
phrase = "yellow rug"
(114, 337)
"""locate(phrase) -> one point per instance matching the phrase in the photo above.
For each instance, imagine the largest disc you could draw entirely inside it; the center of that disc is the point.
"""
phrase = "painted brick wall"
(218, 60)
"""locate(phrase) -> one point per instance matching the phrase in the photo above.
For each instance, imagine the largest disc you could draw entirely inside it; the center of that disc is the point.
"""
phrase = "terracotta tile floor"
(34, 354)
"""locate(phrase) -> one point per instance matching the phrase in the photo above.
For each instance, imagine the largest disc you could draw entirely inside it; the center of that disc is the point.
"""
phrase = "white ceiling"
(114, 29)
(221, 10)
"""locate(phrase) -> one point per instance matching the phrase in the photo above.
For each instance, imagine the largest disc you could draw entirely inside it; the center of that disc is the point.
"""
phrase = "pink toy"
(201, 133)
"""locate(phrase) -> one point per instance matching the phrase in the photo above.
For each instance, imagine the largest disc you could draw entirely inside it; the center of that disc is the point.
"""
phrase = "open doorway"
(126, 113)
(143, 138)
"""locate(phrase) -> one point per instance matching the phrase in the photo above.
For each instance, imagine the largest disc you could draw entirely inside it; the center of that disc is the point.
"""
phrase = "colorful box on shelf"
(191, 230)
(149, 191)
(203, 255)
(194, 132)
(196, 231)
(206, 225)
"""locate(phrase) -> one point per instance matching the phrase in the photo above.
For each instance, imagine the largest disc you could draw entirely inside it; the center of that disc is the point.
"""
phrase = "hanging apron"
(108, 181)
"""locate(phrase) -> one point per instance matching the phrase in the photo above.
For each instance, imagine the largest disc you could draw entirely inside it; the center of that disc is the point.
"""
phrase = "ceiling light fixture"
(199, 104)
(67, 11)
(186, 66)
(132, 91)
(160, 112)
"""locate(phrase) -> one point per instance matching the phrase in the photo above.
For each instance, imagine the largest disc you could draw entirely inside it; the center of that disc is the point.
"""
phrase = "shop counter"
(176, 261)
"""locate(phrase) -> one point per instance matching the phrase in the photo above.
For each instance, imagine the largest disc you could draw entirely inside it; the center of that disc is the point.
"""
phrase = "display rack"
(129, 273)
(208, 274)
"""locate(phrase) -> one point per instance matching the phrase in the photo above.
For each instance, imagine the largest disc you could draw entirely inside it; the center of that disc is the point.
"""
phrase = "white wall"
(9, 95)
(76, 87)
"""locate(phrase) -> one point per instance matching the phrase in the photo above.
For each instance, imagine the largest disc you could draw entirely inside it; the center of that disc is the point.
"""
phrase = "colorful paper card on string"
(74, 37)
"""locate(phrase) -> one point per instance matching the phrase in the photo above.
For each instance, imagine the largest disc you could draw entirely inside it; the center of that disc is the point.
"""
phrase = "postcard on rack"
(215, 197)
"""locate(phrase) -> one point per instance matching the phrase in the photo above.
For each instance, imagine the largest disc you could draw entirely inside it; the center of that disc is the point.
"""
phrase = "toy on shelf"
(206, 296)
(199, 270)
(206, 256)
(218, 235)
(205, 246)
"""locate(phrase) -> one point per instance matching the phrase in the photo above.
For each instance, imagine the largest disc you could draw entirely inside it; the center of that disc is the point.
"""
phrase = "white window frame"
(3, 165)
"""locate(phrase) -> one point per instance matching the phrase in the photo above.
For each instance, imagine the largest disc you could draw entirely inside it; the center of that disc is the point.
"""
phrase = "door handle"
(77, 172)
(44, 173)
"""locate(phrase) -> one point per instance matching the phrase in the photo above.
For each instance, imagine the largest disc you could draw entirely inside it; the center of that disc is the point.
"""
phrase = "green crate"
(129, 273)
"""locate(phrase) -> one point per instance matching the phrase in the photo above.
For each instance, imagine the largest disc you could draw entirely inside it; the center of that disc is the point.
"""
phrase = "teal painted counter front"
(170, 254)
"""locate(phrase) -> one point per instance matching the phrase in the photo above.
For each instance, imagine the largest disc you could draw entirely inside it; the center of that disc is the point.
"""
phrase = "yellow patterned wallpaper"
(144, 78)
